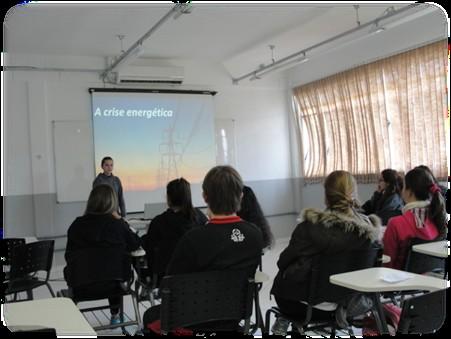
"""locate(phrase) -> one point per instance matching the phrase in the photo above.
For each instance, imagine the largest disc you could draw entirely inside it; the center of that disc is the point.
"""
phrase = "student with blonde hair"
(337, 229)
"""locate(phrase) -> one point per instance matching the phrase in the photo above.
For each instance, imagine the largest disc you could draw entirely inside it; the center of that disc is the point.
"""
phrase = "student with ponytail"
(424, 217)
(166, 229)
(337, 229)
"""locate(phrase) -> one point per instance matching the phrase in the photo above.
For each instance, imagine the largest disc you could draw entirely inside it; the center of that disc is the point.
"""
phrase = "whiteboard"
(74, 160)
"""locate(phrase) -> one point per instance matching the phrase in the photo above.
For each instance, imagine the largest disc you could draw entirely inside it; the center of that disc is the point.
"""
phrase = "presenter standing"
(108, 178)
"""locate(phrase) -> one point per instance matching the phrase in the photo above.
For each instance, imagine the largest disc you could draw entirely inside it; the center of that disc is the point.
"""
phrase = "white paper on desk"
(396, 276)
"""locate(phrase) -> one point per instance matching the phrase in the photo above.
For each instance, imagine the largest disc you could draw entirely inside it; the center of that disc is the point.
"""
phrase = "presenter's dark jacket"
(164, 233)
(103, 243)
(223, 244)
(114, 182)
(320, 232)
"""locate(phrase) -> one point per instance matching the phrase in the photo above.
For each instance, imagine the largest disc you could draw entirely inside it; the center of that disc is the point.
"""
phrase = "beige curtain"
(387, 114)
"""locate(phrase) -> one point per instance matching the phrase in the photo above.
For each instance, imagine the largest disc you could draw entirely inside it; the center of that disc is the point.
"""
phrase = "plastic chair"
(321, 290)
(421, 263)
(423, 314)
(27, 261)
(7, 246)
(101, 273)
(200, 298)
(146, 280)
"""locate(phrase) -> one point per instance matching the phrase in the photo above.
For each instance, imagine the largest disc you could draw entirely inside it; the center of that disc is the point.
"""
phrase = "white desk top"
(436, 248)
(370, 280)
(58, 313)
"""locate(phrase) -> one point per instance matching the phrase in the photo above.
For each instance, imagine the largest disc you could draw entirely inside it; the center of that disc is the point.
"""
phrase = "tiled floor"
(269, 267)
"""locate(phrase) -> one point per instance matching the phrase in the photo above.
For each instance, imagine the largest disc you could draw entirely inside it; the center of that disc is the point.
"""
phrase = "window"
(388, 114)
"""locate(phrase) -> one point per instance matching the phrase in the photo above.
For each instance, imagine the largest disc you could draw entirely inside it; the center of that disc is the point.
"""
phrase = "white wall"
(35, 99)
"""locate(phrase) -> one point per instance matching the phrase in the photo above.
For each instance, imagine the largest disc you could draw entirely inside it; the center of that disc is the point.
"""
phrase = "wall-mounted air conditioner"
(150, 75)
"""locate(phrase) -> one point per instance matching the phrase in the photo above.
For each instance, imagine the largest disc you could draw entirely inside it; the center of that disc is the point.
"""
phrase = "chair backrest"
(30, 258)
(423, 314)
(420, 263)
(7, 246)
(325, 265)
(95, 265)
(198, 298)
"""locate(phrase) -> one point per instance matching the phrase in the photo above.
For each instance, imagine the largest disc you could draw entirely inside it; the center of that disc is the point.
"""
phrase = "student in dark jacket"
(225, 243)
(386, 202)
(337, 229)
(166, 229)
(251, 211)
(104, 233)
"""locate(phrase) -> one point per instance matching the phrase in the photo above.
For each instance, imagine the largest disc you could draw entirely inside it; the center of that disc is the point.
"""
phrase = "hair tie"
(434, 188)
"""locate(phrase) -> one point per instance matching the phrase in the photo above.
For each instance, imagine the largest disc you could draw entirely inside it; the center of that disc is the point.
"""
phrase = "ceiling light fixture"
(376, 28)
(279, 67)
(300, 57)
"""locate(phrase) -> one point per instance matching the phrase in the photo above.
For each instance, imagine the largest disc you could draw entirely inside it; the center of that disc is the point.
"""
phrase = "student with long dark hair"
(251, 211)
(166, 229)
(424, 216)
(386, 202)
(443, 189)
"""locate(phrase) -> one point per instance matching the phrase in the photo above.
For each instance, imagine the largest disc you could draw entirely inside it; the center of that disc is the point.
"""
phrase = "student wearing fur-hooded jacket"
(337, 229)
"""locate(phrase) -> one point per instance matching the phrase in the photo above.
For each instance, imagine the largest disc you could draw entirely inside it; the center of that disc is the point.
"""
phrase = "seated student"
(386, 202)
(166, 229)
(225, 243)
(443, 189)
(251, 211)
(424, 217)
(100, 230)
(337, 229)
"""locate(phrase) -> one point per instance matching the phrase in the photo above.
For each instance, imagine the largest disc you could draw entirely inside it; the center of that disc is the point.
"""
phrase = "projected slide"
(154, 138)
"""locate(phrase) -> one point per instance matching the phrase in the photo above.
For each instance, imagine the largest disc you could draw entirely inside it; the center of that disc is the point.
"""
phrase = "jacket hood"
(366, 226)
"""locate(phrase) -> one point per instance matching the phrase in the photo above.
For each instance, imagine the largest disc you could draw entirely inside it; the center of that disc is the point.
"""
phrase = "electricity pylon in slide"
(170, 157)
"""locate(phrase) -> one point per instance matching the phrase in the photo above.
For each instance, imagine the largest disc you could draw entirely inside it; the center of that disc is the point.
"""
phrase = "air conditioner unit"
(150, 75)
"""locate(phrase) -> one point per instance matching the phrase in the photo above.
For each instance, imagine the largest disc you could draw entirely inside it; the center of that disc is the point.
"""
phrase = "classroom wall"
(34, 99)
